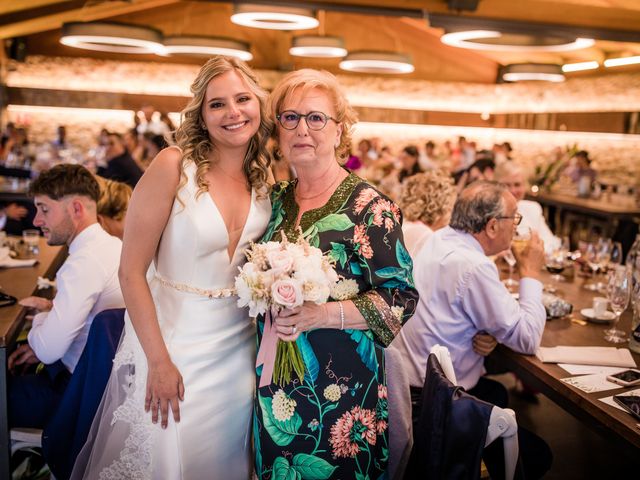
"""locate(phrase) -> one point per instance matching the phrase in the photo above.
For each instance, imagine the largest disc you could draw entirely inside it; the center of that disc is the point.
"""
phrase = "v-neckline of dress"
(232, 256)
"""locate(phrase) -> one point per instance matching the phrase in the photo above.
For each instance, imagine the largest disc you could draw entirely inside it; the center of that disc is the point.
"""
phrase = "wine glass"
(618, 293)
(597, 256)
(509, 282)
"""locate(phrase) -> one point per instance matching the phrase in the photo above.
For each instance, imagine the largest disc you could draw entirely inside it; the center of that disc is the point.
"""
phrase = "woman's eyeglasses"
(315, 120)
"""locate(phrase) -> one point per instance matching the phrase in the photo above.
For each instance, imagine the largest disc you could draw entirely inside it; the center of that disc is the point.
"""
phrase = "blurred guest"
(482, 169)
(512, 176)
(428, 160)
(467, 154)
(426, 201)
(408, 162)
(464, 306)
(366, 152)
(353, 163)
(112, 205)
(580, 166)
(120, 165)
(150, 121)
(134, 147)
(87, 283)
(61, 138)
(15, 217)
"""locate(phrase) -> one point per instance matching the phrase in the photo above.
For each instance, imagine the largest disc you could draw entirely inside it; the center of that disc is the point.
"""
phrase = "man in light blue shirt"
(460, 290)
(462, 298)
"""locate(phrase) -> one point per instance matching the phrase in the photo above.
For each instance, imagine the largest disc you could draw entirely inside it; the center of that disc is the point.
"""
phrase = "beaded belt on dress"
(213, 293)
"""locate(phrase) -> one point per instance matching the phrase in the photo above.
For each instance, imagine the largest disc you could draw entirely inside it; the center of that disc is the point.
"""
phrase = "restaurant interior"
(464, 83)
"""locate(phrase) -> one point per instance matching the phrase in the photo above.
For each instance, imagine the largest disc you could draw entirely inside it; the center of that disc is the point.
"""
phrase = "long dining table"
(20, 282)
(574, 330)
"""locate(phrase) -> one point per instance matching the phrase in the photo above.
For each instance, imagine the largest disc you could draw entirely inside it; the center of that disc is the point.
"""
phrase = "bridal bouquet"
(281, 275)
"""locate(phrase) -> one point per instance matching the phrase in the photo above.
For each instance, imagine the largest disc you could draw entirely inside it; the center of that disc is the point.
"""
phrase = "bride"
(178, 404)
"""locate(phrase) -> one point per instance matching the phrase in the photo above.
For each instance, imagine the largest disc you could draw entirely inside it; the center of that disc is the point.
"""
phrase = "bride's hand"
(164, 388)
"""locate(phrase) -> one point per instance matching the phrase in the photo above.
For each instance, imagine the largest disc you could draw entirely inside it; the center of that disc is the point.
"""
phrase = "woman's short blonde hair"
(308, 79)
(427, 197)
(193, 138)
(508, 169)
(114, 198)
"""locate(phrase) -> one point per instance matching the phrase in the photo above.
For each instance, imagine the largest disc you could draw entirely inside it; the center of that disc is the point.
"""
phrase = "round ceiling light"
(204, 46)
(377, 62)
(317, 46)
(112, 37)
(513, 42)
(274, 18)
(545, 72)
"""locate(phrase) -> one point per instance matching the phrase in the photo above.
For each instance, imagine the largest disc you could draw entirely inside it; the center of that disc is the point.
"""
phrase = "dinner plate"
(589, 315)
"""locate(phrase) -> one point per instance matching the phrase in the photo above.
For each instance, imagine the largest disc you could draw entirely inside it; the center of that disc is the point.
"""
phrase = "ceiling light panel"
(112, 37)
(274, 18)
(207, 46)
(317, 46)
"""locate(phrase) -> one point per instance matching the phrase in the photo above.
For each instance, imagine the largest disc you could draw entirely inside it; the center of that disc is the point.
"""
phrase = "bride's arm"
(146, 219)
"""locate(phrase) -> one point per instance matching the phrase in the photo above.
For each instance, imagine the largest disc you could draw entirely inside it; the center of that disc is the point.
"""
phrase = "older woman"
(512, 175)
(427, 201)
(334, 422)
(112, 205)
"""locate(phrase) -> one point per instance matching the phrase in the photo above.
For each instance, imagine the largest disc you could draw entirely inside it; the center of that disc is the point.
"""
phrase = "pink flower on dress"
(382, 391)
(352, 429)
(381, 426)
(361, 239)
(385, 212)
(364, 197)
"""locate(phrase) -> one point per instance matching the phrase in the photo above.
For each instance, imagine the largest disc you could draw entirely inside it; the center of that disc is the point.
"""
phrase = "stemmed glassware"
(597, 256)
(509, 282)
(618, 293)
(557, 260)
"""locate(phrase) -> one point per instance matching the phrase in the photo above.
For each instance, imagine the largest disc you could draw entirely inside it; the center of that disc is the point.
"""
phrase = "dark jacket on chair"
(450, 431)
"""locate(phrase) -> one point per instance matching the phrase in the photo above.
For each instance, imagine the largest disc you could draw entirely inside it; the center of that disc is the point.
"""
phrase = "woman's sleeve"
(386, 267)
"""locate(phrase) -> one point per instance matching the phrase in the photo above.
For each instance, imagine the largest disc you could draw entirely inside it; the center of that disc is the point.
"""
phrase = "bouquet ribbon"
(267, 352)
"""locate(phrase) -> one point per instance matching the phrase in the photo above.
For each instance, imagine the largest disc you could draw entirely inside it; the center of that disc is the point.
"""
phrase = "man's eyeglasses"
(517, 218)
(315, 120)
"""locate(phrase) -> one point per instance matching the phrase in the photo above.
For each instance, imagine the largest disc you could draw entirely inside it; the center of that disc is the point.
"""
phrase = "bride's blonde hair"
(193, 139)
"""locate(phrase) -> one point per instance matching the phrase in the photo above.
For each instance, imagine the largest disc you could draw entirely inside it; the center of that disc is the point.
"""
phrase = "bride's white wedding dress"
(212, 343)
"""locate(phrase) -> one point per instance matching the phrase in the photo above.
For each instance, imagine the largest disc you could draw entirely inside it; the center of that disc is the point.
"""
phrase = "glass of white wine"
(509, 258)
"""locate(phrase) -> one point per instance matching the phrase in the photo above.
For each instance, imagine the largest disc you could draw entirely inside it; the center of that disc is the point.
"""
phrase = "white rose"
(280, 261)
(287, 292)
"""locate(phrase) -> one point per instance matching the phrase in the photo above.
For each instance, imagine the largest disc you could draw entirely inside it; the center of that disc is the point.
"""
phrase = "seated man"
(120, 164)
(87, 283)
(461, 296)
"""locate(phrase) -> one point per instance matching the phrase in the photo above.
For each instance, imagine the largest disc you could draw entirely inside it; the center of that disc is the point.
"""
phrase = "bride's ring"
(293, 329)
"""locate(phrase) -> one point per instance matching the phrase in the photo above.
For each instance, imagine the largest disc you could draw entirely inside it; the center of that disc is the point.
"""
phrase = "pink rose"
(280, 260)
(287, 293)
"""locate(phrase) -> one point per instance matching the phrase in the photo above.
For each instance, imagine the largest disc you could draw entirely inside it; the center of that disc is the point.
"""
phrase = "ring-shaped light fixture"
(274, 18)
(501, 42)
(545, 72)
(621, 61)
(112, 37)
(377, 62)
(317, 46)
(205, 46)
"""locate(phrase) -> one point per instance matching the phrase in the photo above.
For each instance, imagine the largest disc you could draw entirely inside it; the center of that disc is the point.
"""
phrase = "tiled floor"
(579, 452)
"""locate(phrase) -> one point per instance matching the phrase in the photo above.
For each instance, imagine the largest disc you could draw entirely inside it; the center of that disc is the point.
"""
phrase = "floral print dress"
(334, 423)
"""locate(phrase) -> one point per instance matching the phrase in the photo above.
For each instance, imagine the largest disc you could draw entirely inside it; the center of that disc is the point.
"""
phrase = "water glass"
(618, 293)
(31, 238)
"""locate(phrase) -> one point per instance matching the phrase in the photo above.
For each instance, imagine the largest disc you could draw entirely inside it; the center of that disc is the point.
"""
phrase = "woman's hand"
(290, 322)
(164, 389)
(483, 344)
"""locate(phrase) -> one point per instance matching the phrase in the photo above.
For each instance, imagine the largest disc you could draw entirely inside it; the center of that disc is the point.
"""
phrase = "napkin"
(7, 262)
(605, 356)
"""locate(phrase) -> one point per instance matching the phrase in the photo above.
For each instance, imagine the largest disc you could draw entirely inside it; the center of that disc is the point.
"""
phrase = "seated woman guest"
(426, 201)
(112, 205)
(512, 175)
(337, 417)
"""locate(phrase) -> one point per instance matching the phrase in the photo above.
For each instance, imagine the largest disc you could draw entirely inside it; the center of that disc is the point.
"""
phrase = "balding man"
(462, 299)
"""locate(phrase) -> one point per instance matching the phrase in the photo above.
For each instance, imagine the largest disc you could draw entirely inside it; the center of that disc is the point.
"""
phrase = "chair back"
(67, 431)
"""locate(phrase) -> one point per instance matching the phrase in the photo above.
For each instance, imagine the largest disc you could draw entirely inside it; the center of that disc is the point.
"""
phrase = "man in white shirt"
(87, 283)
(462, 298)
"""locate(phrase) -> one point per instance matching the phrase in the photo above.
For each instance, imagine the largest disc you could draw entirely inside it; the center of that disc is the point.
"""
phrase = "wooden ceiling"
(361, 23)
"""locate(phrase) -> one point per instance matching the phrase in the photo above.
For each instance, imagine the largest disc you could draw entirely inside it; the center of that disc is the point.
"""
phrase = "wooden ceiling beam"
(15, 6)
(86, 14)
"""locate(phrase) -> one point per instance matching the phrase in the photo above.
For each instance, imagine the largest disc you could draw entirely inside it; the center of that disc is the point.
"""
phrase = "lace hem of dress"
(134, 462)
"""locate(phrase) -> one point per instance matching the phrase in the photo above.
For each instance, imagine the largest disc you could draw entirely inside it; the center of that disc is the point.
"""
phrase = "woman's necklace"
(217, 166)
(333, 182)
